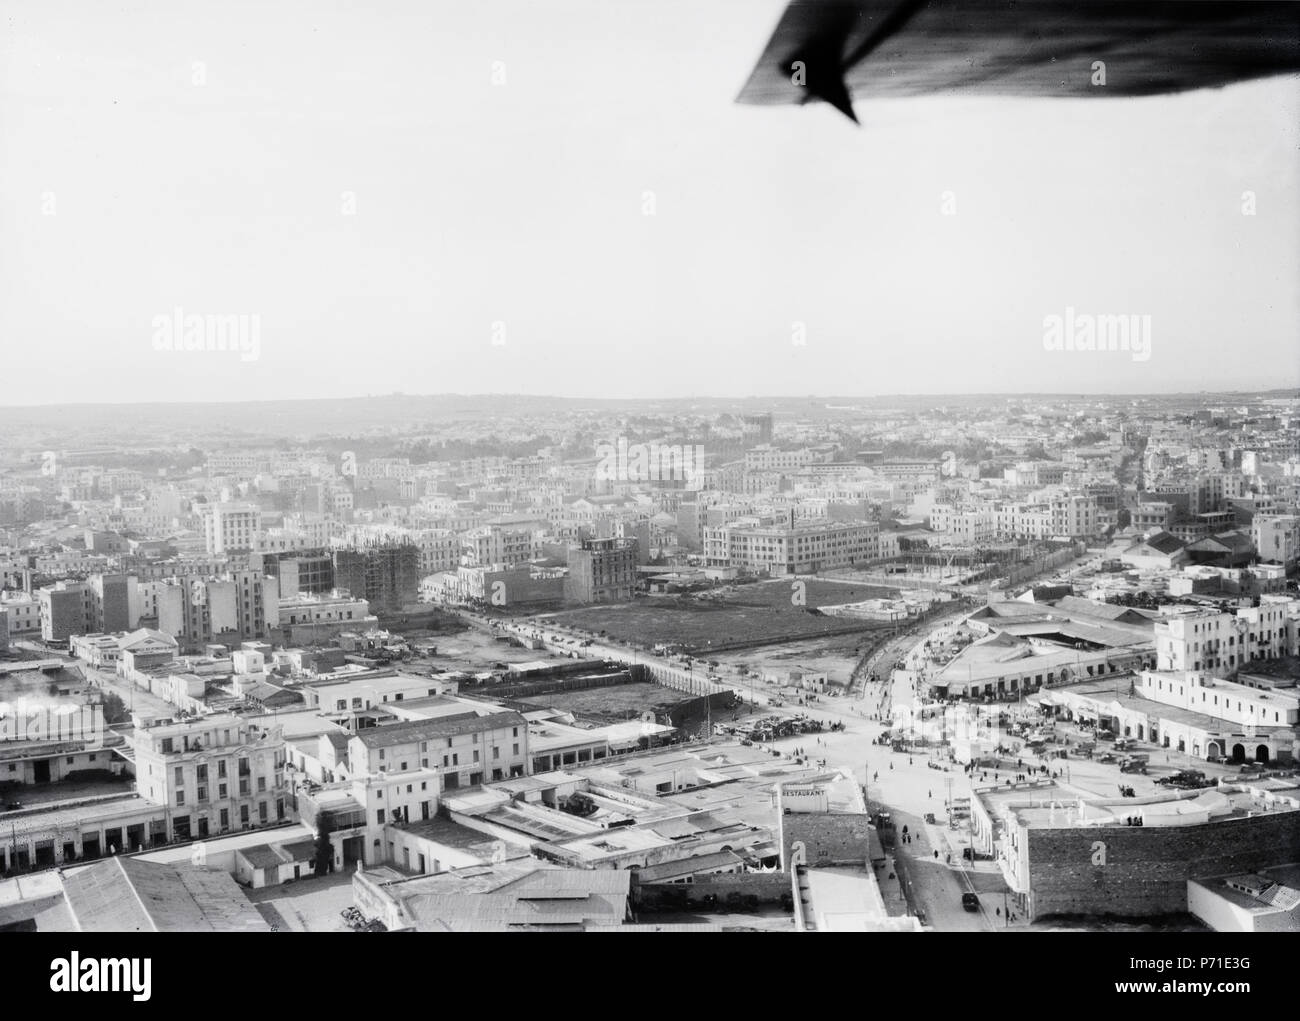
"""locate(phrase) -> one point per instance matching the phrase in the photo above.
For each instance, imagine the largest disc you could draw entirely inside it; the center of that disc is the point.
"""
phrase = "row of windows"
(449, 760)
(222, 789)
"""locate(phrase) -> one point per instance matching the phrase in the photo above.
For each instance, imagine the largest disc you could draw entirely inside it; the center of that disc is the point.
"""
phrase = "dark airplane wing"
(837, 51)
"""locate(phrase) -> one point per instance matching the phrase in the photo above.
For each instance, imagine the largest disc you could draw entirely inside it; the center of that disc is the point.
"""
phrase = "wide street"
(910, 786)
(905, 785)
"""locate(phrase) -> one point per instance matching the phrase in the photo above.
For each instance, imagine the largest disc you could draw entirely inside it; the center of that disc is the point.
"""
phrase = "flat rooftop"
(449, 834)
(1058, 806)
(1114, 688)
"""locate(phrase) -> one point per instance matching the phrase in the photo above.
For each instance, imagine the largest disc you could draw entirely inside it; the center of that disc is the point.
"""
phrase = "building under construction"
(387, 576)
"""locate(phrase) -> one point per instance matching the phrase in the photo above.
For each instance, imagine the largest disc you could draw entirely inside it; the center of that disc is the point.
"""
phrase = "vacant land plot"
(762, 613)
(481, 650)
(835, 656)
(613, 703)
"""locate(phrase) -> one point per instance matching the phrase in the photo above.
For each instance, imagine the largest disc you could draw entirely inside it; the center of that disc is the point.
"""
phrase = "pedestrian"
(929, 794)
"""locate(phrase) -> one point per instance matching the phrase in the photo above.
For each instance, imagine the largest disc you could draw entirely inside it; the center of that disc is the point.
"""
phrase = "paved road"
(109, 681)
(909, 790)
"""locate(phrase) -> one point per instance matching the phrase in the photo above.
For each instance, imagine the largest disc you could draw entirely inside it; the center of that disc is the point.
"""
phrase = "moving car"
(970, 902)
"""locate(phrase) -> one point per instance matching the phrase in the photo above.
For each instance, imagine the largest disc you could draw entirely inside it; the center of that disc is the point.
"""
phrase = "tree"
(324, 861)
(115, 710)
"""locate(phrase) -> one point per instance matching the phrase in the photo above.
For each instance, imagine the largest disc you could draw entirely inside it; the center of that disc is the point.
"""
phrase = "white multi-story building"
(772, 459)
(494, 544)
(1225, 700)
(782, 548)
(1023, 521)
(213, 774)
(231, 527)
(1221, 643)
(1276, 538)
(23, 612)
(1074, 516)
(966, 525)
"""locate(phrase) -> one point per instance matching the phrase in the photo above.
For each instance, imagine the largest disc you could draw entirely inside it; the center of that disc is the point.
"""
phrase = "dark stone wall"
(1147, 867)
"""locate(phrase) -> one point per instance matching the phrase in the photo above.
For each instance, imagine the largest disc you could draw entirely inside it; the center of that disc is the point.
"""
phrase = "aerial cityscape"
(737, 466)
(813, 664)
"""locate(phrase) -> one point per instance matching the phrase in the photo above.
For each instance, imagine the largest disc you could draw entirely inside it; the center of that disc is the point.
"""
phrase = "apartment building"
(112, 600)
(236, 607)
(299, 532)
(213, 774)
(66, 610)
(1023, 521)
(495, 544)
(781, 547)
(1276, 538)
(1221, 643)
(22, 612)
(238, 464)
(602, 571)
(466, 749)
(231, 527)
(966, 525)
(307, 570)
(773, 459)
(1074, 516)
(1153, 516)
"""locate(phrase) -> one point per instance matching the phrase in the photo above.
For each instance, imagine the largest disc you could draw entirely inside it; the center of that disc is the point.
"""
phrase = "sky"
(564, 198)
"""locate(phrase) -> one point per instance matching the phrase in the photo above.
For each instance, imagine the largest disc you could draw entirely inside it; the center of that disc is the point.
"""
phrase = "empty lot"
(761, 613)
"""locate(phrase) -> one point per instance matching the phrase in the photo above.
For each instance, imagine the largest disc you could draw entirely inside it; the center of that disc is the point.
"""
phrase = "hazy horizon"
(1275, 392)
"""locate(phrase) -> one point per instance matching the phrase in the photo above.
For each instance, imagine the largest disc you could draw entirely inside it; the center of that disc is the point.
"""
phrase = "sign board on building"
(805, 799)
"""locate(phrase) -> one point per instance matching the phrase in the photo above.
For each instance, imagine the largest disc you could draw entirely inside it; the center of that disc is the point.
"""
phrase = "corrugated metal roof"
(127, 895)
(688, 866)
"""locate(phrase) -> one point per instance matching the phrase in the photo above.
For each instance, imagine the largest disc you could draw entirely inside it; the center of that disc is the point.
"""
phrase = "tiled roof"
(446, 726)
